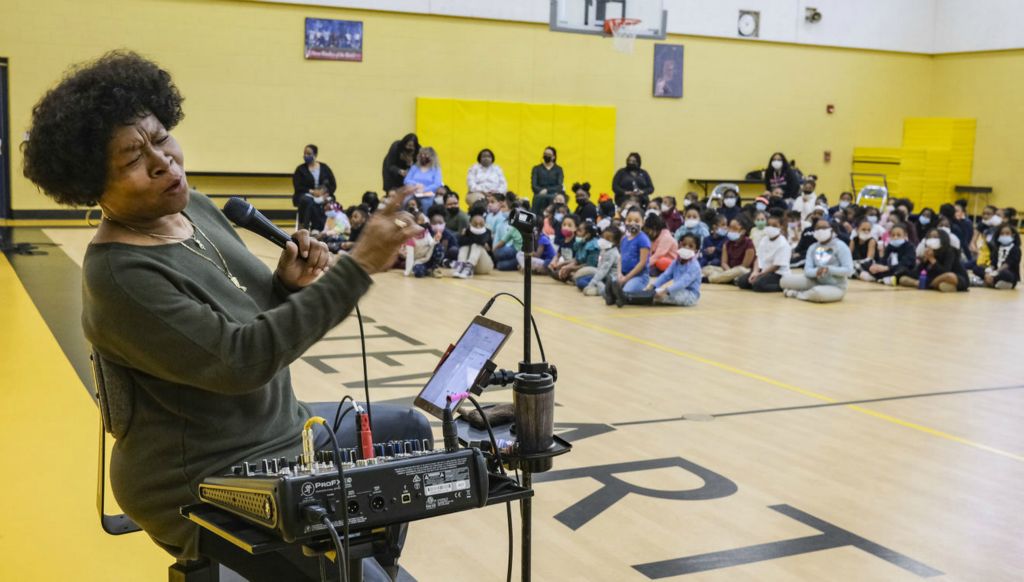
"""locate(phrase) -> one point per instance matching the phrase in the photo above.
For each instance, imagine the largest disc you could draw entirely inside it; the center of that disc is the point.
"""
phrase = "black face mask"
(453, 210)
(548, 158)
(608, 208)
(632, 165)
(633, 228)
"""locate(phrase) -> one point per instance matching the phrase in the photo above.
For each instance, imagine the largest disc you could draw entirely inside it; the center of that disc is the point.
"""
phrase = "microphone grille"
(238, 211)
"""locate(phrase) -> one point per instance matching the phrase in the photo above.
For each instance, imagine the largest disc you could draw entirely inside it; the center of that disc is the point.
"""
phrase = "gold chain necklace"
(223, 267)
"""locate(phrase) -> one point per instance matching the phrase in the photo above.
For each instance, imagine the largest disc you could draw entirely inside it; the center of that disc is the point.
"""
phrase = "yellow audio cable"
(307, 439)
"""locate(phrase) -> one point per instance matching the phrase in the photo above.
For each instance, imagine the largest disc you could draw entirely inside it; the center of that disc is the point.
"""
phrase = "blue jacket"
(683, 276)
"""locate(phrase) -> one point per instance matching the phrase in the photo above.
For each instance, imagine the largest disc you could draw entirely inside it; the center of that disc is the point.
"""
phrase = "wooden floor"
(748, 438)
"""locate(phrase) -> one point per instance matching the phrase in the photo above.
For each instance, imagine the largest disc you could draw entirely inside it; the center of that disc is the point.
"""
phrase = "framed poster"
(668, 70)
(334, 40)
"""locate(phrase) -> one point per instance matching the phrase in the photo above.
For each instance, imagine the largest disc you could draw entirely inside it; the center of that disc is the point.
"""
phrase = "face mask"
(873, 219)
(558, 217)
(437, 228)
(722, 231)
(945, 229)
(864, 235)
(650, 211)
(730, 202)
(685, 254)
(439, 200)
(548, 158)
(604, 244)
(809, 195)
(924, 220)
(687, 203)
(633, 229)
(665, 208)
(1006, 239)
(453, 210)
(897, 242)
(734, 236)
(760, 224)
(933, 243)
(691, 222)
(823, 234)
(567, 233)
(582, 200)
(844, 203)
(632, 165)
(777, 164)
(760, 206)
(772, 231)
(995, 220)
(478, 229)
(308, 159)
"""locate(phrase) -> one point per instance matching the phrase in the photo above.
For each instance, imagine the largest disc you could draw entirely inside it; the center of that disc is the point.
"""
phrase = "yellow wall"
(252, 101)
(989, 87)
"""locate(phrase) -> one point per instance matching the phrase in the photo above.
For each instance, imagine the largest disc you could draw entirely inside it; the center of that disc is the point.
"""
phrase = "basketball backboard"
(588, 16)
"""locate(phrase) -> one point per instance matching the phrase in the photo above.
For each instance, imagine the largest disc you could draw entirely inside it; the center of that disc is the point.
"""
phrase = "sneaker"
(458, 269)
(867, 277)
(889, 281)
(789, 293)
(467, 273)
(609, 299)
(1004, 285)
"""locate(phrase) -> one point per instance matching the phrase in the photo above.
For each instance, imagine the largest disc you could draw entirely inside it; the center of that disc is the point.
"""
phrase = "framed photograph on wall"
(668, 70)
(334, 40)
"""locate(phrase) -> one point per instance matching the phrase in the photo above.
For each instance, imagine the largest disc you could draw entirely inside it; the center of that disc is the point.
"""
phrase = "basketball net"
(623, 32)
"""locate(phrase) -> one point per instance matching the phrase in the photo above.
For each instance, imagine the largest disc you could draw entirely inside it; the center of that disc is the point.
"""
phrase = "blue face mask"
(897, 242)
(924, 220)
(733, 235)
(760, 206)
(722, 231)
(308, 159)
(558, 217)
(1006, 239)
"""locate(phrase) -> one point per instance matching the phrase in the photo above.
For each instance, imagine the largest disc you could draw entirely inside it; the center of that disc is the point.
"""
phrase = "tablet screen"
(480, 342)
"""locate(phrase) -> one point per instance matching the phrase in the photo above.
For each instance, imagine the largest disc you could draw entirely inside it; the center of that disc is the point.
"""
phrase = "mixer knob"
(266, 466)
(426, 445)
(236, 470)
(247, 469)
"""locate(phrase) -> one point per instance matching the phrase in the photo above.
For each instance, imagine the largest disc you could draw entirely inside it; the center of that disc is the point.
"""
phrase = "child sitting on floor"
(584, 252)
(564, 246)
(635, 250)
(419, 250)
(737, 255)
(474, 249)
(664, 248)
(1005, 254)
(680, 283)
(896, 265)
(592, 280)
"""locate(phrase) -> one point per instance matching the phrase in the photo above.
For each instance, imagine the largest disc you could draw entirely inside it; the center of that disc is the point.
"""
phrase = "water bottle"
(922, 280)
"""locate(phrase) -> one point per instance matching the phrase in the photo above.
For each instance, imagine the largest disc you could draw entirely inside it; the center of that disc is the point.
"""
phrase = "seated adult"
(400, 157)
(180, 311)
(632, 180)
(779, 174)
(425, 178)
(585, 208)
(313, 184)
(546, 180)
(456, 220)
(826, 269)
(485, 177)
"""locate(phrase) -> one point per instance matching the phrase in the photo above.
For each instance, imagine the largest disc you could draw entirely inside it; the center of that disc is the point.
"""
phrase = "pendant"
(238, 284)
(199, 243)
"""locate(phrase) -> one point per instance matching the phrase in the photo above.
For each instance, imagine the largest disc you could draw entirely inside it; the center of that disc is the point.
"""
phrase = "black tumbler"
(533, 397)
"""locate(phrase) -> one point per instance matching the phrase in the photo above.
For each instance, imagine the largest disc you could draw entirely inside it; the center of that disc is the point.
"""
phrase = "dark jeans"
(311, 214)
(763, 284)
(390, 422)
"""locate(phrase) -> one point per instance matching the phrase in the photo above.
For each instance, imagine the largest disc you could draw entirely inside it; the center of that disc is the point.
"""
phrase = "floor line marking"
(753, 376)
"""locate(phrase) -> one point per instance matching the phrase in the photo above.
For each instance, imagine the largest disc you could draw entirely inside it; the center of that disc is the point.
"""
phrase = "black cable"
(337, 413)
(344, 501)
(501, 468)
(366, 375)
(323, 571)
(342, 558)
(536, 333)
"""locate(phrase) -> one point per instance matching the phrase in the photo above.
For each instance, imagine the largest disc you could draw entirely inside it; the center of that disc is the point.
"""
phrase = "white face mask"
(864, 235)
(730, 202)
(777, 164)
(823, 234)
(809, 195)
(687, 203)
(995, 220)
(478, 229)
(1006, 239)
(843, 203)
(933, 243)
(691, 222)
(604, 244)
(945, 229)
(686, 253)
(772, 231)
(873, 219)
(760, 206)
(650, 211)
(665, 208)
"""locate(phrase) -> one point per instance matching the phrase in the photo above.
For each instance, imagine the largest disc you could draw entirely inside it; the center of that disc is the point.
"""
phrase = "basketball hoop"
(623, 32)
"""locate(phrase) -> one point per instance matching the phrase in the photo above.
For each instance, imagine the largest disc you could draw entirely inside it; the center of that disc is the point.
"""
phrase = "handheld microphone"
(246, 216)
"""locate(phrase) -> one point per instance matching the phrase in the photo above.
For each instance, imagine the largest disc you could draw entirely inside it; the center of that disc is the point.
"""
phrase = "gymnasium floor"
(748, 438)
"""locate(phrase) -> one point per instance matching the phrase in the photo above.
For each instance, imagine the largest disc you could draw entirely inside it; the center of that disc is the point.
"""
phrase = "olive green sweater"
(207, 363)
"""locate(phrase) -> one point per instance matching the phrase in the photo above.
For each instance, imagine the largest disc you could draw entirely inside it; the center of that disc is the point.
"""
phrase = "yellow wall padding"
(937, 154)
(458, 129)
